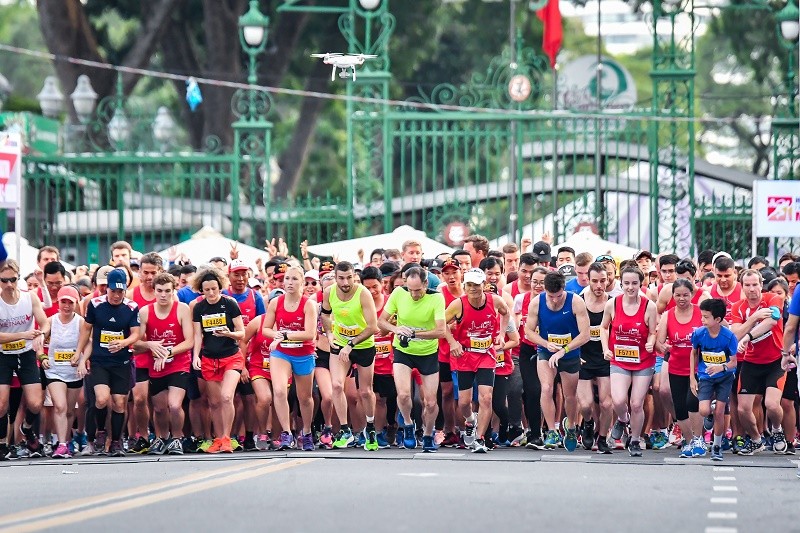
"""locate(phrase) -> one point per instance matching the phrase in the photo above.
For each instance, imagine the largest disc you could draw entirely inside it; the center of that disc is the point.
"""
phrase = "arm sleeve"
(518, 303)
(196, 313)
(134, 319)
(90, 313)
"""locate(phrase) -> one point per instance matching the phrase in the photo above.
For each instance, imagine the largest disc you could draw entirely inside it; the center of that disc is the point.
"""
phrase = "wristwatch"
(350, 343)
(169, 350)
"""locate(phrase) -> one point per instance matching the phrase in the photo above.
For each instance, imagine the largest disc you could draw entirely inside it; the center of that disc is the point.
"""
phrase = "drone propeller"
(334, 54)
(365, 56)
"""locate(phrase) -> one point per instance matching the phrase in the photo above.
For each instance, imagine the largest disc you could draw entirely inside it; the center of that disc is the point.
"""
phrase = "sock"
(100, 418)
(30, 418)
(370, 424)
(117, 421)
(717, 440)
(4, 427)
(370, 420)
(779, 428)
(471, 419)
(345, 428)
(248, 435)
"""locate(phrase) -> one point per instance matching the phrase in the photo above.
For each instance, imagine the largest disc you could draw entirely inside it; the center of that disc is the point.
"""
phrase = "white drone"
(344, 62)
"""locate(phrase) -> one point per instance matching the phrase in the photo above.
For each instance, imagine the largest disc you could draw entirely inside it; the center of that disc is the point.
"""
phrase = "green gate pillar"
(671, 139)
(786, 125)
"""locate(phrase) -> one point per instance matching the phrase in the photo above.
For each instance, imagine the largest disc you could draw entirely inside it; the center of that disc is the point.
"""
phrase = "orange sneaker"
(226, 446)
(217, 446)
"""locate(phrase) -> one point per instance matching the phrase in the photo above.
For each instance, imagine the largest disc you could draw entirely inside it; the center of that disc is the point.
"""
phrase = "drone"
(344, 62)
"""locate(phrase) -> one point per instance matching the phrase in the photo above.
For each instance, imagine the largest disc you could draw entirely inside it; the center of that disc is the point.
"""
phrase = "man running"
(452, 289)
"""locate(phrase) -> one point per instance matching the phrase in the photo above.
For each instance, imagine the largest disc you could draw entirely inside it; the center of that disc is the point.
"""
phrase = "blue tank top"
(558, 327)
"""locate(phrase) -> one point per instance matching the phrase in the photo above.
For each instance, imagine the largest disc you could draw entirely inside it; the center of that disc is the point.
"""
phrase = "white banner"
(776, 208)
(10, 170)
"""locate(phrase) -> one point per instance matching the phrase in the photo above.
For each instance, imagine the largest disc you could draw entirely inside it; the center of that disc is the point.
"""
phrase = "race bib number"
(265, 363)
(382, 349)
(213, 322)
(349, 332)
(713, 358)
(480, 344)
(500, 359)
(62, 358)
(107, 337)
(627, 354)
(291, 344)
(559, 340)
(16, 346)
(594, 333)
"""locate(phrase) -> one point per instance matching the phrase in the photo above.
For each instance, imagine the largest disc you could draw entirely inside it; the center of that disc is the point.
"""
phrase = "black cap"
(568, 270)
(541, 251)
(436, 265)
(768, 274)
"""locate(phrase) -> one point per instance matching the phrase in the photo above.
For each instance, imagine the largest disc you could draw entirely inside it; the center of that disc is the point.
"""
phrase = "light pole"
(253, 31)
(786, 125)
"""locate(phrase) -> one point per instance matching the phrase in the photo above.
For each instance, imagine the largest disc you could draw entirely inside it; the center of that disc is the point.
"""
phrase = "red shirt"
(258, 353)
(384, 356)
(679, 336)
(444, 347)
(732, 298)
(286, 320)
(526, 303)
(144, 359)
(476, 332)
(628, 336)
(167, 330)
(766, 348)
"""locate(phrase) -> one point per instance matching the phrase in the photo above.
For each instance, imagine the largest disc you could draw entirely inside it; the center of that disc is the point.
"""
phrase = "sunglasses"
(604, 259)
(312, 283)
(8, 280)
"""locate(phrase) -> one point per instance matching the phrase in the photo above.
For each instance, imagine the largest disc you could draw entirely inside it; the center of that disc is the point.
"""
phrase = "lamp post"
(83, 99)
(786, 124)
(253, 31)
(163, 127)
(51, 100)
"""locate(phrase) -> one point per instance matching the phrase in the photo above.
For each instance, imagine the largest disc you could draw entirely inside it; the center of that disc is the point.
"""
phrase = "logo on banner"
(780, 208)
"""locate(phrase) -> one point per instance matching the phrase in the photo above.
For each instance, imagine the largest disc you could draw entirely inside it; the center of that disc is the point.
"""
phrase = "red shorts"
(214, 369)
(471, 362)
(258, 372)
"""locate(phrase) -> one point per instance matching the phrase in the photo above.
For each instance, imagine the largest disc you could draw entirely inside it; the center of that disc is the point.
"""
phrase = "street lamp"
(50, 98)
(369, 5)
(789, 22)
(119, 129)
(163, 126)
(253, 32)
(83, 99)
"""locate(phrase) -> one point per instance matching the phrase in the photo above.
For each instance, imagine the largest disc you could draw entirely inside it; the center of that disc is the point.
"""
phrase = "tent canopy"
(587, 241)
(348, 250)
(27, 260)
(208, 243)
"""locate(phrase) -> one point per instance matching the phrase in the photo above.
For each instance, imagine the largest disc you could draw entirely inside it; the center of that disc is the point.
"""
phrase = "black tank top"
(592, 351)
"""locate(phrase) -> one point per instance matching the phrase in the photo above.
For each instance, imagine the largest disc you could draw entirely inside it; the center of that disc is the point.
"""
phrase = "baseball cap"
(134, 262)
(326, 266)
(720, 254)
(237, 264)
(568, 270)
(218, 259)
(652, 269)
(474, 275)
(275, 293)
(312, 274)
(357, 267)
(68, 293)
(280, 270)
(254, 283)
(436, 265)
(117, 280)
(643, 253)
(450, 263)
(102, 274)
(541, 250)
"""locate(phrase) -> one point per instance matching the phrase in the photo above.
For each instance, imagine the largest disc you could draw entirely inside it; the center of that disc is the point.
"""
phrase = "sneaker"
(535, 443)
(174, 447)
(726, 443)
(115, 450)
(587, 434)
(159, 447)
(326, 438)
(409, 437)
(767, 439)
(698, 449)
(479, 446)
(635, 449)
(234, 444)
(142, 445)
(215, 447)
(47, 449)
(87, 450)
(3, 451)
(751, 447)
(552, 440)
(602, 446)
(34, 448)
(490, 444)
(307, 442)
(570, 440)
(790, 449)
(451, 440)
(100, 443)
(738, 444)
(660, 441)
(287, 441)
(686, 451)
(383, 442)
(249, 444)
(618, 430)
(204, 445)
(61, 451)
(469, 434)
(262, 442)
(716, 453)
(370, 440)
(428, 445)
(226, 445)
(343, 439)
(22, 451)
(778, 441)
(675, 436)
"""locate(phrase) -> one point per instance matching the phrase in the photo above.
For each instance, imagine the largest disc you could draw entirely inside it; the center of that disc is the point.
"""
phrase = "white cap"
(312, 274)
(720, 254)
(254, 282)
(475, 275)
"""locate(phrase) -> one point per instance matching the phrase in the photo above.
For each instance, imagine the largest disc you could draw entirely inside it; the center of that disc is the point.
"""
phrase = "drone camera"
(344, 74)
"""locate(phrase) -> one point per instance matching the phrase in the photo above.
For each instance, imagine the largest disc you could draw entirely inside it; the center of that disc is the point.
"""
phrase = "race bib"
(559, 340)
(107, 337)
(213, 322)
(713, 358)
(265, 363)
(16, 346)
(62, 358)
(594, 333)
(480, 344)
(627, 354)
(382, 349)
(500, 359)
(349, 332)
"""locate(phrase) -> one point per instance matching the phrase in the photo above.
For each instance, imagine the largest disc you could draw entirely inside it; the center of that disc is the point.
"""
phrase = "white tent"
(587, 241)
(27, 259)
(348, 250)
(208, 243)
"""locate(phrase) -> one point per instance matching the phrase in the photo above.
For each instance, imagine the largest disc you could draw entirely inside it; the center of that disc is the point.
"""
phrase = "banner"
(10, 170)
(776, 208)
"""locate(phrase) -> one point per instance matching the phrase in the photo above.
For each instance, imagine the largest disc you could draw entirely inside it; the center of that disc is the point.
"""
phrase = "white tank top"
(63, 343)
(17, 318)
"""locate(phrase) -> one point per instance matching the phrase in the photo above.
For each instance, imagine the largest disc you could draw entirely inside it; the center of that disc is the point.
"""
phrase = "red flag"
(553, 31)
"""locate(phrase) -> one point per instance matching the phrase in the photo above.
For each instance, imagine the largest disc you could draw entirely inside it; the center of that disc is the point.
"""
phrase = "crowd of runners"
(479, 349)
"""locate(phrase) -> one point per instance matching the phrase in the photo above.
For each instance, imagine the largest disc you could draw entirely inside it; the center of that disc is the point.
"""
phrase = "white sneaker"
(87, 450)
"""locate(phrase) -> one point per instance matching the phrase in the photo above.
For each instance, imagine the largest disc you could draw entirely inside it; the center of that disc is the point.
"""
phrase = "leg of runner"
(547, 378)
(639, 387)
(263, 393)
(367, 395)
(220, 405)
(58, 394)
(141, 412)
(281, 371)
(430, 408)
(305, 389)
(747, 419)
(339, 369)
(34, 397)
(772, 401)
(118, 404)
(500, 408)
(448, 401)
(515, 405)
(485, 393)
(465, 412)
(402, 382)
(532, 390)
(569, 386)
(620, 385)
(323, 378)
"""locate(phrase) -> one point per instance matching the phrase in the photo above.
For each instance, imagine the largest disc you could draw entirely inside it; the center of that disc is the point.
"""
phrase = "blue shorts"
(720, 389)
(659, 362)
(301, 366)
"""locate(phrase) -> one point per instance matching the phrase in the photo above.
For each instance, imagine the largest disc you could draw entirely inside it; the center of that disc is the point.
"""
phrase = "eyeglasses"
(537, 282)
(8, 280)
(604, 259)
(312, 283)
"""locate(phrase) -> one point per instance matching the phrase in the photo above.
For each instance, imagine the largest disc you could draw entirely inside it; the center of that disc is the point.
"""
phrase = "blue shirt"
(712, 350)
(187, 295)
(574, 287)
(559, 327)
(240, 298)
(109, 323)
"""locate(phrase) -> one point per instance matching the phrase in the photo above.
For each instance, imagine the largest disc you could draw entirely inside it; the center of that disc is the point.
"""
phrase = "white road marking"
(418, 474)
(721, 530)
(713, 515)
(725, 488)
(724, 500)
(723, 469)
(724, 478)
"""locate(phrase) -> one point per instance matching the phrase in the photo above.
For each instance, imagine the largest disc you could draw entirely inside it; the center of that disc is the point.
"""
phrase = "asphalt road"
(399, 490)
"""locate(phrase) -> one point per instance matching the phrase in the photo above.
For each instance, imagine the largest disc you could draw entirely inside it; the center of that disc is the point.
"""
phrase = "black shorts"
(570, 366)
(193, 389)
(383, 386)
(756, 379)
(426, 364)
(482, 376)
(323, 360)
(244, 389)
(358, 356)
(445, 372)
(790, 387)
(23, 364)
(142, 374)
(70, 384)
(591, 372)
(117, 378)
(176, 379)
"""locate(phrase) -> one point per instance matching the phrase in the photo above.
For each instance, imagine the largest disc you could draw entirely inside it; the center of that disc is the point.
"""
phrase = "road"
(398, 490)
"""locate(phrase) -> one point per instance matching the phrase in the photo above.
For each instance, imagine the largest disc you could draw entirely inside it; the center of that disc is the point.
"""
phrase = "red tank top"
(505, 363)
(247, 307)
(167, 330)
(698, 293)
(478, 327)
(729, 300)
(526, 303)
(50, 311)
(628, 336)
(514, 293)
(384, 356)
(444, 347)
(144, 359)
(292, 321)
(258, 351)
(679, 336)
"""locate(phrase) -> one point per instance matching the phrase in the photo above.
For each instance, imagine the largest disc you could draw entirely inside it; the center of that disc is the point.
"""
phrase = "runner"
(478, 248)
(595, 370)
(452, 289)
(218, 328)
(169, 338)
(322, 373)
(291, 321)
(350, 322)
(558, 324)
(726, 288)
(112, 327)
(613, 288)
(419, 322)
(510, 257)
(59, 365)
(628, 334)
(581, 280)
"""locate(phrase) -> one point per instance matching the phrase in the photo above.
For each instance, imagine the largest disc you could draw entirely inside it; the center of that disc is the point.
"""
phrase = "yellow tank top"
(348, 319)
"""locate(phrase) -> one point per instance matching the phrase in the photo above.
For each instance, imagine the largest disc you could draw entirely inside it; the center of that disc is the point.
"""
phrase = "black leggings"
(531, 388)
(499, 395)
(685, 402)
